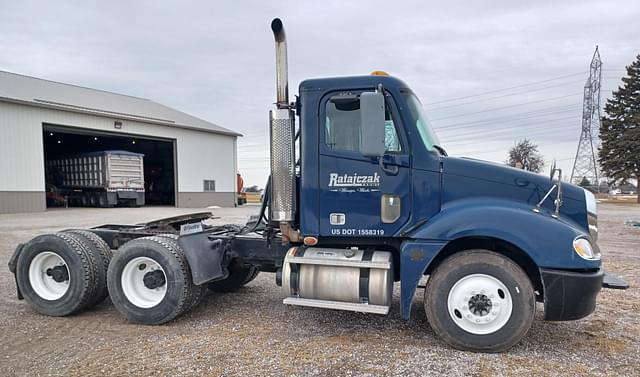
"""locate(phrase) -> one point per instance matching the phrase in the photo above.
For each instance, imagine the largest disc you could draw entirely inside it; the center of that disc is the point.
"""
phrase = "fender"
(547, 241)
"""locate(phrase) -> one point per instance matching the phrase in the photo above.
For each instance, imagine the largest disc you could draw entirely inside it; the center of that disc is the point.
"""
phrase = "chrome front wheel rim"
(479, 304)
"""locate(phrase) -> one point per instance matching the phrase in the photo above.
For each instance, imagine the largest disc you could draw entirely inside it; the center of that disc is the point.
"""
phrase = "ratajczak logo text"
(353, 180)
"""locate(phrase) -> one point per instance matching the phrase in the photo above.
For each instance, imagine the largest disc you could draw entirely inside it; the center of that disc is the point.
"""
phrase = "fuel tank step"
(338, 305)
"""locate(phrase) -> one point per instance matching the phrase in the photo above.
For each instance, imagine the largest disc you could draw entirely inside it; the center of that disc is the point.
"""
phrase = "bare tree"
(525, 155)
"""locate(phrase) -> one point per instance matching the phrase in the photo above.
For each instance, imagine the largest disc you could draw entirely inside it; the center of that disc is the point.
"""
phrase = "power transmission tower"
(585, 166)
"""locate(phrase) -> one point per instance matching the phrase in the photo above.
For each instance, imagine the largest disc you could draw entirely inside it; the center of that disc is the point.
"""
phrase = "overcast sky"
(215, 60)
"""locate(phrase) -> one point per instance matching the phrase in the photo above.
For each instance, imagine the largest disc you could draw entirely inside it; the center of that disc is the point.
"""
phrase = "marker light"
(379, 73)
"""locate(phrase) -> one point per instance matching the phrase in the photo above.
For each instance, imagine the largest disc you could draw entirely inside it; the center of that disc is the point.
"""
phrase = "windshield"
(428, 136)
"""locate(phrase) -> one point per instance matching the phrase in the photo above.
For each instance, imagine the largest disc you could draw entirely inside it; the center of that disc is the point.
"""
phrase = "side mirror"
(372, 123)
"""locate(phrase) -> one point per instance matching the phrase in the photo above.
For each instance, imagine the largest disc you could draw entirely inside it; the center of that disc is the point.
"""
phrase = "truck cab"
(425, 206)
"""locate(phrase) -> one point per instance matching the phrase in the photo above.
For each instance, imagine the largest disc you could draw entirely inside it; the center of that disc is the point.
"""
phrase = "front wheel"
(479, 300)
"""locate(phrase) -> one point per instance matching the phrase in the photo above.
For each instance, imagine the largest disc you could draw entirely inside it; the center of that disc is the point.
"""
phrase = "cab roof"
(351, 82)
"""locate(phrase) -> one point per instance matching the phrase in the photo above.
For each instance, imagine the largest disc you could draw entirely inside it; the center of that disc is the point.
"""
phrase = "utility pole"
(585, 166)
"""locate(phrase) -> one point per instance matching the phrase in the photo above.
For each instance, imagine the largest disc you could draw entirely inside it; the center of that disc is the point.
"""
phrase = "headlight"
(592, 213)
(583, 248)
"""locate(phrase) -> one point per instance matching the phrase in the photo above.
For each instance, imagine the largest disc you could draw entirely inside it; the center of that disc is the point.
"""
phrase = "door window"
(343, 131)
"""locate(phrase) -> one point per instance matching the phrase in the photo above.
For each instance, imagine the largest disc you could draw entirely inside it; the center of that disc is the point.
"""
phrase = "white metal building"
(189, 162)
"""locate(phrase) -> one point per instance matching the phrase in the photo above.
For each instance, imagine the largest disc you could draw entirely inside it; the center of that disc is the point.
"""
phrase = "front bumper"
(570, 295)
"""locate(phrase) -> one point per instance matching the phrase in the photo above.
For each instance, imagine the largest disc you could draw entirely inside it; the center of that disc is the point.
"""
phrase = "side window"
(342, 126)
(391, 140)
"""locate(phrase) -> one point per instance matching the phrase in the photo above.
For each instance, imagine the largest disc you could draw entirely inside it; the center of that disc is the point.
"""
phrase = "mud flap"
(205, 256)
(13, 267)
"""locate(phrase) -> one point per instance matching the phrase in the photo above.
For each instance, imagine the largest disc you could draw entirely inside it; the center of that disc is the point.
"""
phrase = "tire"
(251, 277)
(169, 294)
(198, 292)
(479, 300)
(41, 290)
(102, 254)
(239, 275)
(102, 201)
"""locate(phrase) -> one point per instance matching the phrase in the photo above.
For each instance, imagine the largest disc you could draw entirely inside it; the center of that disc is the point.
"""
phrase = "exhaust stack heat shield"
(282, 165)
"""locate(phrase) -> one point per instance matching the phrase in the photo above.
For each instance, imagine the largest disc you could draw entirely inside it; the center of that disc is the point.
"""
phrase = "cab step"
(338, 305)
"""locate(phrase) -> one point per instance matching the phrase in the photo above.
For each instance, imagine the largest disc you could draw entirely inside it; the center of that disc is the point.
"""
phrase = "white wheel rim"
(41, 276)
(479, 304)
(133, 284)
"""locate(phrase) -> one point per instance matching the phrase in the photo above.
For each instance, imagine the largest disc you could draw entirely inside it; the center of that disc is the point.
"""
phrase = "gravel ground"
(251, 333)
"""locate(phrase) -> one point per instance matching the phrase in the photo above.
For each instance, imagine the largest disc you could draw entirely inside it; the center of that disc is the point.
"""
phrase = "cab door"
(361, 196)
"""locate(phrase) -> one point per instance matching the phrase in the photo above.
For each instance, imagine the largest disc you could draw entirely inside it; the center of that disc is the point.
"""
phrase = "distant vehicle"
(252, 194)
(98, 179)
(253, 188)
(54, 199)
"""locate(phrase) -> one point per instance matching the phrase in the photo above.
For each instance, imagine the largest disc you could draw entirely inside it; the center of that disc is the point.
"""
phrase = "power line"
(502, 96)
(537, 111)
(484, 134)
(535, 126)
(503, 89)
(503, 119)
(507, 107)
(562, 132)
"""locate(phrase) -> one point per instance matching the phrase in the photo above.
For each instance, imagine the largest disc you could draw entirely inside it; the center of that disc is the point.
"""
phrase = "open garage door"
(159, 159)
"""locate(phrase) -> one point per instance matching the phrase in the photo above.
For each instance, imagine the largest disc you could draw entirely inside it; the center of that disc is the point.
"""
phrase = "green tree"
(525, 155)
(619, 155)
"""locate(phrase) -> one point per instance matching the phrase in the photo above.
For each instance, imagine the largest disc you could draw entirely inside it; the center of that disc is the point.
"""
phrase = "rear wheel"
(149, 280)
(479, 300)
(102, 201)
(57, 274)
(198, 292)
(239, 275)
(102, 255)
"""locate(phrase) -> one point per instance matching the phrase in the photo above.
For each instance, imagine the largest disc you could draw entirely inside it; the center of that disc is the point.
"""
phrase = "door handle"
(389, 169)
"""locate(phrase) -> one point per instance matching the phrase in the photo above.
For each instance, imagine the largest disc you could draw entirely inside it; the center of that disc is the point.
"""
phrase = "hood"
(466, 177)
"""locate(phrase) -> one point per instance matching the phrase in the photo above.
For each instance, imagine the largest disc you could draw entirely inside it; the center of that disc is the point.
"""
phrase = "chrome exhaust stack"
(282, 79)
(282, 130)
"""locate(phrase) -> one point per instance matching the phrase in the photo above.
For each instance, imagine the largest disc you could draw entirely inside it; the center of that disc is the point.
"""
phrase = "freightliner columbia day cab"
(371, 200)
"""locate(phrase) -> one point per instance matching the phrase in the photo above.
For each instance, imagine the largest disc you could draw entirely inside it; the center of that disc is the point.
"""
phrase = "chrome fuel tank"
(325, 276)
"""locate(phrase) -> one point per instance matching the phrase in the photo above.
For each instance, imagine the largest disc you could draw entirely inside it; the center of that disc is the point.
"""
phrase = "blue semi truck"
(372, 200)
